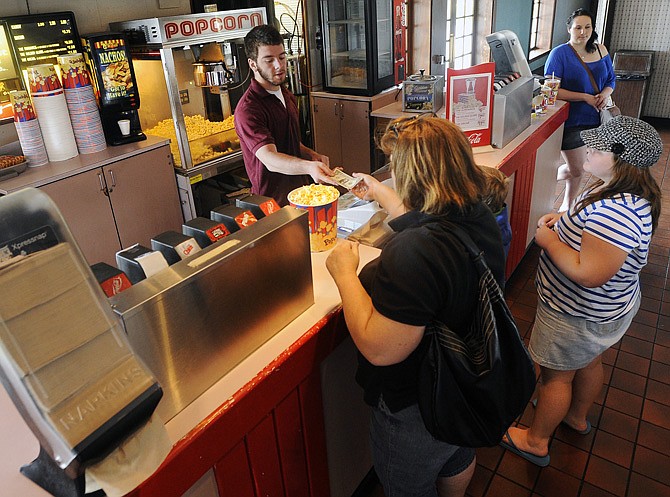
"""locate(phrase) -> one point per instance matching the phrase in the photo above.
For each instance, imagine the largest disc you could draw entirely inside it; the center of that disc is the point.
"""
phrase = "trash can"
(632, 69)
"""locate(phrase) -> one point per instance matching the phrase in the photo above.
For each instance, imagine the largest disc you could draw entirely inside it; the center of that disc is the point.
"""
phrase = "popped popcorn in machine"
(191, 71)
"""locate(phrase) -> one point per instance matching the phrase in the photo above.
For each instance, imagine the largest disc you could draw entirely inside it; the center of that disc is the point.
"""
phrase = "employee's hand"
(321, 173)
(343, 259)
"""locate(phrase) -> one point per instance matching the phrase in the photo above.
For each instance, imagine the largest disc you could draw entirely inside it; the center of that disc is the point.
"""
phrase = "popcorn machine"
(191, 70)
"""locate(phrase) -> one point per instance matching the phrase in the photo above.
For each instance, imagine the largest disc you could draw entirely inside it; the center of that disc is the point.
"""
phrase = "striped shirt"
(624, 221)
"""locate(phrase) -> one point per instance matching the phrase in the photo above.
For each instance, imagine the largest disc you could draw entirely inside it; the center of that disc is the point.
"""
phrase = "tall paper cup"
(554, 84)
(321, 203)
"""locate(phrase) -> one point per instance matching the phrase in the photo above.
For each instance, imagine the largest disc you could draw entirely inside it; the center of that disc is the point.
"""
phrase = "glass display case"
(357, 46)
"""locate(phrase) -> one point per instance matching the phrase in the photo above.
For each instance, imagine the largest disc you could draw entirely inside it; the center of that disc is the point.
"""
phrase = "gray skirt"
(563, 342)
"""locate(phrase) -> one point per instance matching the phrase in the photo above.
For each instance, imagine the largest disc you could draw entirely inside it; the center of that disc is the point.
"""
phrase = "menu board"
(40, 38)
(8, 74)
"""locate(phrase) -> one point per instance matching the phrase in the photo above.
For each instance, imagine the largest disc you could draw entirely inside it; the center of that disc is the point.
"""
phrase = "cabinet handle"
(341, 110)
(103, 188)
(111, 173)
(335, 108)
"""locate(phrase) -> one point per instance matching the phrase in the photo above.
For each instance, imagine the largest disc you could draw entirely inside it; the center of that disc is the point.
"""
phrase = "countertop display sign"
(470, 101)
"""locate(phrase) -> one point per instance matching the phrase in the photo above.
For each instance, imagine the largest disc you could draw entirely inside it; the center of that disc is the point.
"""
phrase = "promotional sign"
(470, 101)
(399, 39)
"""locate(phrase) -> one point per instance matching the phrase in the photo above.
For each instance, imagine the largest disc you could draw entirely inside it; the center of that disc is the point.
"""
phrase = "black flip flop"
(541, 461)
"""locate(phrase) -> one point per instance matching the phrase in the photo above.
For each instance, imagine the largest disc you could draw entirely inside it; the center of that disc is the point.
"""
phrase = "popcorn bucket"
(42, 78)
(321, 203)
(73, 71)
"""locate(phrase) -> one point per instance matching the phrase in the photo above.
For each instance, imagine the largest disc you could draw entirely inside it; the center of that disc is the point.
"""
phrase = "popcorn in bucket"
(321, 203)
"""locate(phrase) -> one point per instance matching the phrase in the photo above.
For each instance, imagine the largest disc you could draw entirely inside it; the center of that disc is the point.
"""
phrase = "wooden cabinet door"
(355, 133)
(326, 118)
(143, 192)
(88, 214)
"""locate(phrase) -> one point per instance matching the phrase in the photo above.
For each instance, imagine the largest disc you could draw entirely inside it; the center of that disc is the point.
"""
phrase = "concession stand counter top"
(266, 426)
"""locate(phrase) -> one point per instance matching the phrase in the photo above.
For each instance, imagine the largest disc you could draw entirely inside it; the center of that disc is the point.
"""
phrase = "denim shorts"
(563, 342)
(572, 138)
(407, 458)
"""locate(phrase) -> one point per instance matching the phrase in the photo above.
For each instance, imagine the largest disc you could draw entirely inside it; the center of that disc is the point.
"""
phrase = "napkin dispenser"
(64, 357)
(511, 111)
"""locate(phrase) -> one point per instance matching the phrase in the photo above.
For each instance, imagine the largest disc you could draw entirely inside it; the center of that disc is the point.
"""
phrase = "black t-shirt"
(422, 274)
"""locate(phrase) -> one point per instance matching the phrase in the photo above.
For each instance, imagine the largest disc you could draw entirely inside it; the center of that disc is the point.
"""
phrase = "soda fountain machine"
(191, 71)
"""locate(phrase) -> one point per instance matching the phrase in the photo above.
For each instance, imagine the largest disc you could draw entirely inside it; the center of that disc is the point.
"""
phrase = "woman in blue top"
(588, 279)
(576, 87)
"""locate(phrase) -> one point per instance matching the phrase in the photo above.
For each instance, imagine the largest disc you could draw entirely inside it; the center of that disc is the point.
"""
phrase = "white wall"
(645, 25)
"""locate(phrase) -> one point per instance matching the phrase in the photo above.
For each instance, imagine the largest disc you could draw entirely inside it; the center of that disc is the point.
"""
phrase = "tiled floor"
(628, 452)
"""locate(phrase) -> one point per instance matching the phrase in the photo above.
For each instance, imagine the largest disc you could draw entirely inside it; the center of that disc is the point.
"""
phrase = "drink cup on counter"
(124, 126)
(321, 203)
(553, 84)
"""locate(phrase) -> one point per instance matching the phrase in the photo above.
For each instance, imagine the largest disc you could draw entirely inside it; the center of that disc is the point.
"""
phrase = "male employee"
(266, 120)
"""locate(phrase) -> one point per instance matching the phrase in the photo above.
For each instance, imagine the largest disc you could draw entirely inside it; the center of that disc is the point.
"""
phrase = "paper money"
(344, 180)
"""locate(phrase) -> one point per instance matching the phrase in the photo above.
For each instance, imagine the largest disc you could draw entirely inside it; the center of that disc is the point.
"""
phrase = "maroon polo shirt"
(261, 119)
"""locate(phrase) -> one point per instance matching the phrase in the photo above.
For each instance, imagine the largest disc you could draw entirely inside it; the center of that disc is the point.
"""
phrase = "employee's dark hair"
(261, 35)
(591, 43)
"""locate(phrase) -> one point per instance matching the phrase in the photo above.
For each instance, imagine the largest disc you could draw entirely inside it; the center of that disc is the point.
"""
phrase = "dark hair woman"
(565, 62)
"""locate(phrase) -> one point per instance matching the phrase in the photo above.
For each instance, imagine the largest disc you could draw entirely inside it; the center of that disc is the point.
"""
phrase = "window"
(541, 27)
(460, 28)
(458, 34)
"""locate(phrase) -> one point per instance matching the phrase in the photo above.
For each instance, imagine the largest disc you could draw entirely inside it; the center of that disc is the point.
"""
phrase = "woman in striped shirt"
(588, 279)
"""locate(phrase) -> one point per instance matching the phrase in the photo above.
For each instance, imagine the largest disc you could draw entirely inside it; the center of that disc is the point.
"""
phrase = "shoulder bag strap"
(588, 71)
(475, 252)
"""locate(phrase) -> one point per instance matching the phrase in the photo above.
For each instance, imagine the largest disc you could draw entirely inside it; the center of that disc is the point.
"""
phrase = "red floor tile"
(654, 437)
(636, 346)
(633, 363)
(624, 402)
(652, 464)
(502, 487)
(607, 475)
(480, 482)
(641, 486)
(554, 483)
(613, 448)
(655, 413)
(658, 392)
(619, 424)
(628, 382)
(642, 331)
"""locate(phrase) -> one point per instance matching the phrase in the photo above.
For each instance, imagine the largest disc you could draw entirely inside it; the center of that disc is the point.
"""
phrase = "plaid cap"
(635, 141)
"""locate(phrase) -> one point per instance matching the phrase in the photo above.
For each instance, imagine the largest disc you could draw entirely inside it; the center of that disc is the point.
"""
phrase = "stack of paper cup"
(28, 129)
(81, 104)
(49, 102)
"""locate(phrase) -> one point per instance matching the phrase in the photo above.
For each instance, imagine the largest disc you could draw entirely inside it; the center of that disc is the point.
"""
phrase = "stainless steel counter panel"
(193, 322)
